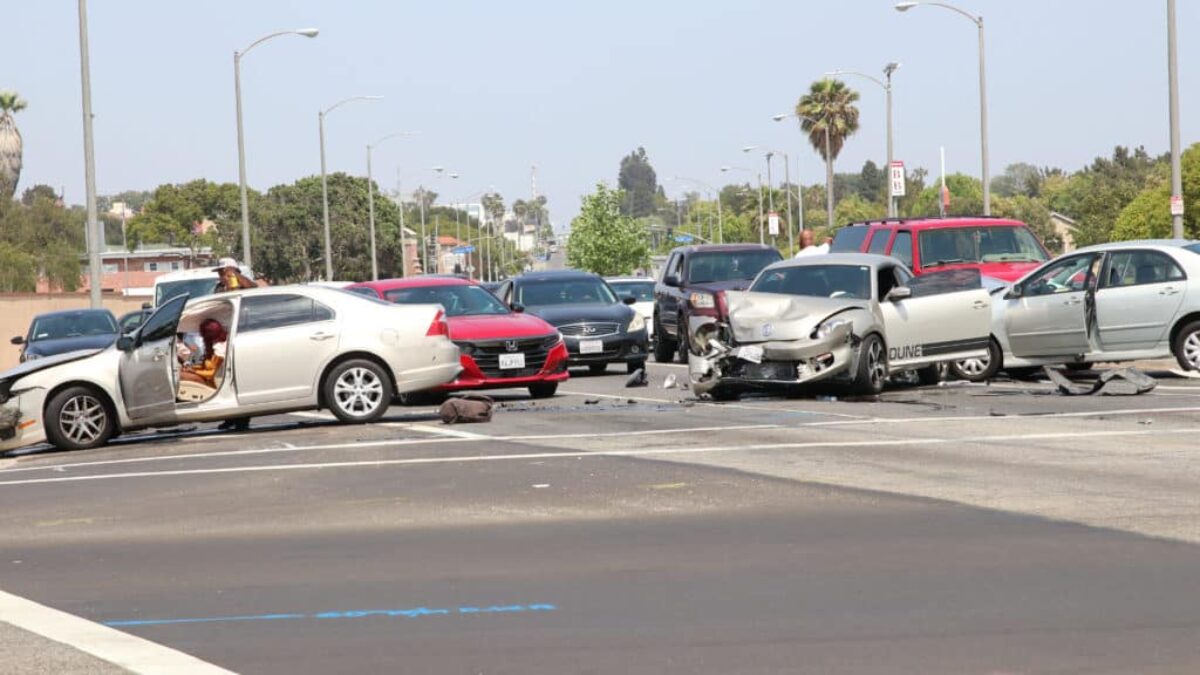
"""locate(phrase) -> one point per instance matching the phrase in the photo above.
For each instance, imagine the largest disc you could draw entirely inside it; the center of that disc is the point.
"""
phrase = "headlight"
(638, 322)
(30, 357)
(828, 327)
(702, 300)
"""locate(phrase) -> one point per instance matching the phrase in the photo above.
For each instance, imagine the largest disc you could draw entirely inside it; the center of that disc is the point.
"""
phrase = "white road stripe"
(463, 459)
(975, 418)
(737, 406)
(443, 431)
(287, 447)
(133, 653)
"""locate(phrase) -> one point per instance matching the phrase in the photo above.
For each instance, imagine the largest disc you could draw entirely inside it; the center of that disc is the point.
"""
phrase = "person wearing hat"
(232, 278)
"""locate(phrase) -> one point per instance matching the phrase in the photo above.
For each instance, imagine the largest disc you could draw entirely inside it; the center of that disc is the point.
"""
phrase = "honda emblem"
(511, 345)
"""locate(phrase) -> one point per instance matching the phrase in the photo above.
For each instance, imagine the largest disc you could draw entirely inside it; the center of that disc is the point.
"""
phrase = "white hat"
(227, 262)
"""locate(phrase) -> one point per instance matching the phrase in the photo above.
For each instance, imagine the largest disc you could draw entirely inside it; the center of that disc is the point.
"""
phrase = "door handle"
(1169, 290)
(979, 304)
(1073, 302)
(320, 336)
(158, 354)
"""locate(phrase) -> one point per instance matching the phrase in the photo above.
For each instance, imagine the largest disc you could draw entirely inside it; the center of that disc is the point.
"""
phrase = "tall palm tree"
(10, 143)
(829, 104)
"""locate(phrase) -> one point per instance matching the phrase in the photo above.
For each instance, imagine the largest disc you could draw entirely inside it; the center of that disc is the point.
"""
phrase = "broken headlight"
(828, 327)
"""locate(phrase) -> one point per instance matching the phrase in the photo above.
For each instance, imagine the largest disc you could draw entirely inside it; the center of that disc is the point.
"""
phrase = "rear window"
(879, 242)
(715, 266)
(848, 239)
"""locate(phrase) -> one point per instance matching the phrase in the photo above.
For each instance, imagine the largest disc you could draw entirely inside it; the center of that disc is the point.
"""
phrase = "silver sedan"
(232, 356)
(1121, 301)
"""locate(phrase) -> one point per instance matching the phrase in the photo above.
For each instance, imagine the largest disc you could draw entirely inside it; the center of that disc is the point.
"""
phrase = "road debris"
(669, 381)
(1119, 382)
(467, 409)
(637, 378)
(591, 401)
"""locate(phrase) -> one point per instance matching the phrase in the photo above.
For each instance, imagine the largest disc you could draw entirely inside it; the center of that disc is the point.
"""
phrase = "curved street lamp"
(828, 174)
(237, 89)
(324, 182)
(887, 88)
(983, 121)
(371, 211)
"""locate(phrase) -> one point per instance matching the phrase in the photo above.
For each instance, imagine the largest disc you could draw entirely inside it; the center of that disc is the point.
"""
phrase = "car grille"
(781, 371)
(487, 355)
(589, 330)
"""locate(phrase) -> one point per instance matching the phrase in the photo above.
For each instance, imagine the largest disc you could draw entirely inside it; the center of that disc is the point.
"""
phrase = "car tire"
(1187, 346)
(632, 367)
(664, 347)
(597, 368)
(543, 389)
(931, 375)
(357, 391)
(979, 370)
(79, 418)
(684, 346)
(871, 373)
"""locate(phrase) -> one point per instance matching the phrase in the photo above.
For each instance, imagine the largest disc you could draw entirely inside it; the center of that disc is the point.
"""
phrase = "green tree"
(1018, 179)
(854, 209)
(828, 106)
(18, 270)
(30, 195)
(639, 182)
(603, 239)
(1034, 213)
(175, 213)
(1148, 216)
(1095, 196)
(966, 197)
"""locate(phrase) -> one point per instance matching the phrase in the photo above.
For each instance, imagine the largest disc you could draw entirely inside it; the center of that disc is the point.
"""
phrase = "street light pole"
(720, 219)
(983, 118)
(325, 182)
(371, 208)
(828, 163)
(237, 91)
(1173, 86)
(787, 185)
(95, 234)
(887, 90)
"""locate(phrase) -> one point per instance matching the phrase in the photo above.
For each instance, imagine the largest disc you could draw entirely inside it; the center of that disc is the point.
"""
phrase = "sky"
(493, 88)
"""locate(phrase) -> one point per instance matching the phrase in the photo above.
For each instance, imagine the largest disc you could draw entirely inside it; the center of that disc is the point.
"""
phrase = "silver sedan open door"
(1047, 313)
(147, 365)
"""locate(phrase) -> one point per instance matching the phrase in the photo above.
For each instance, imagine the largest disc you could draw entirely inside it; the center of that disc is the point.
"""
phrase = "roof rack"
(886, 221)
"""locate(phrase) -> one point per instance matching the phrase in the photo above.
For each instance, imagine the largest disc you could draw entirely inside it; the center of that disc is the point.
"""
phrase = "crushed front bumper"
(771, 364)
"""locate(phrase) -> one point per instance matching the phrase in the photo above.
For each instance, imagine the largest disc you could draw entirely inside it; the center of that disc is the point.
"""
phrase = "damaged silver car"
(853, 318)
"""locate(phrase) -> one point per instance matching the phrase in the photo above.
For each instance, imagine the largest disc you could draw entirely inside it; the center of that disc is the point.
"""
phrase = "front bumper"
(619, 347)
(783, 365)
(16, 428)
(554, 369)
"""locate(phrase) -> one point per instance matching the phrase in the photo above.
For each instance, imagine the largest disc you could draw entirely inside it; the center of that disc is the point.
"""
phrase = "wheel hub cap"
(82, 419)
(358, 392)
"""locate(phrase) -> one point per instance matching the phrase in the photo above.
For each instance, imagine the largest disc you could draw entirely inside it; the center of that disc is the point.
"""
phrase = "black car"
(67, 331)
(130, 321)
(689, 285)
(597, 327)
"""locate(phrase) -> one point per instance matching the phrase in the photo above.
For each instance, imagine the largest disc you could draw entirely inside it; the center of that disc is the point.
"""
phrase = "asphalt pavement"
(950, 529)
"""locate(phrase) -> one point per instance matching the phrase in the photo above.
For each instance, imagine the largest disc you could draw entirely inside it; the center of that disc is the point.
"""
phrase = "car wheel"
(632, 367)
(683, 348)
(978, 370)
(597, 368)
(931, 375)
(78, 418)
(664, 347)
(1187, 346)
(543, 389)
(872, 366)
(357, 391)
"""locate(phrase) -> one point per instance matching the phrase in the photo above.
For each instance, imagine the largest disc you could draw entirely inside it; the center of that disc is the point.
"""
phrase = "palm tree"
(10, 143)
(829, 104)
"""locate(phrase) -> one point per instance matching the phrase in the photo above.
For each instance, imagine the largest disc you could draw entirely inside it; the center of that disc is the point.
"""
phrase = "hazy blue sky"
(494, 87)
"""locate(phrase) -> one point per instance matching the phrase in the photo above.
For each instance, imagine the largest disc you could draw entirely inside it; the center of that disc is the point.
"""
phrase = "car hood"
(65, 345)
(758, 317)
(562, 315)
(12, 375)
(497, 327)
(1005, 271)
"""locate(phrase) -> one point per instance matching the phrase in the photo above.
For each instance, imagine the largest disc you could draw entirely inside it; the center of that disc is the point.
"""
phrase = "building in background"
(132, 273)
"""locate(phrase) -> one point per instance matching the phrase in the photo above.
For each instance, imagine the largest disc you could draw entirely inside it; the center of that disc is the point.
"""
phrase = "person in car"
(232, 278)
(215, 337)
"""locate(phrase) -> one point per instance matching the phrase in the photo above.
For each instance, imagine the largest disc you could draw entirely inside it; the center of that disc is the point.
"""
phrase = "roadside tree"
(603, 239)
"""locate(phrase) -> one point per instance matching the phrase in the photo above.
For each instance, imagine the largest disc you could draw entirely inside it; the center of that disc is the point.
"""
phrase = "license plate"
(751, 354)
(511, 361)
(591, 346)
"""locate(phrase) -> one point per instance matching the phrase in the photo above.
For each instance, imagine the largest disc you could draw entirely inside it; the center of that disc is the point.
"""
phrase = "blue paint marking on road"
(411, 613)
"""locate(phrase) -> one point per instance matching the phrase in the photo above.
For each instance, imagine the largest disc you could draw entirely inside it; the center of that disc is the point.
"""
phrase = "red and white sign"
(773, 223)
(896, 178)
(1176, 205)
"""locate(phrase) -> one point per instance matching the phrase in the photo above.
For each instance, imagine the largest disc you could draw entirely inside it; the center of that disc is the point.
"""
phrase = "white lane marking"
(737, 406)
(133, 653)
(463, 459)
(287, 447)
(312, 415)
(975, 418)
(443, 431)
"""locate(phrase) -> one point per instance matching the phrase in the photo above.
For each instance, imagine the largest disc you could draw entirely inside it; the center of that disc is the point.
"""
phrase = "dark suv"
(689, 283)
(598, 327)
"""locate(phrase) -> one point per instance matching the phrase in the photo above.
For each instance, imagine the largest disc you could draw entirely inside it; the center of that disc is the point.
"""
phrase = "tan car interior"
(189, 333)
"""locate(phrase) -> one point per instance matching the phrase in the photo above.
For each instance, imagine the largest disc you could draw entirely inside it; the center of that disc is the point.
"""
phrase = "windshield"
(579, 291)
(820, 281)
(706, 268)
(642, 291)
(457, 300)
(74, 324)
(984, 244)
(194, 288)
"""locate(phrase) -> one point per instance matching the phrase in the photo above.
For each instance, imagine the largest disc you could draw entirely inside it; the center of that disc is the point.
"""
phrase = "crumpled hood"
(10, 376)
(68, 345)
(759, 317)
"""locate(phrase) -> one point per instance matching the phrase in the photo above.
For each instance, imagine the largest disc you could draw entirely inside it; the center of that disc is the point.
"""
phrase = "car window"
(716, 266)
(642, 291)
(983, 244)
(277, 311)
(821, 281)
(948, 281)
(194, 288)
(456, 300)
(1134, 268)
(848, 238)
(902, 248)
(879, 242)
(574, 291)
(1065, 276)
(72, 324)
(163, 322)
(675, 266)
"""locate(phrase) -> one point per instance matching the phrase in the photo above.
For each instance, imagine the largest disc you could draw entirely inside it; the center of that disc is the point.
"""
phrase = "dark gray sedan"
(67, 331)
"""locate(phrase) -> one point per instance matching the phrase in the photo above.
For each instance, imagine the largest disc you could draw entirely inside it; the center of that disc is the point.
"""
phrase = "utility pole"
(1173, 84)
(95, 234)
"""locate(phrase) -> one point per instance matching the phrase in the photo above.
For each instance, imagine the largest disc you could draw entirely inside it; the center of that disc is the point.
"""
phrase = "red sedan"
(500, 348)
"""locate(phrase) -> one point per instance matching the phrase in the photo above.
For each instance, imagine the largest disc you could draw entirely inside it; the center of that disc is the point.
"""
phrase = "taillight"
(439, 326)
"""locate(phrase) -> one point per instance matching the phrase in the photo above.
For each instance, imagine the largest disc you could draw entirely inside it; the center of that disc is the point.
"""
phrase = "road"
(951, 529)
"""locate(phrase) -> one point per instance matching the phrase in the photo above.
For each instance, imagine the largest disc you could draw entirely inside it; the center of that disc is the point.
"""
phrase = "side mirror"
(629, 300)
(125, 343)
(18, 340)
(146, 305)
(671, 280)
(517, 307)
(899, 293)
(1013, 293)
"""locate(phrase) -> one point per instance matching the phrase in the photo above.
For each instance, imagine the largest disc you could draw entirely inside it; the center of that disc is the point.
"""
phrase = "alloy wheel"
(974, 367)
(875, 364)
(358, 392)
(1191, 349)
(83, 419)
